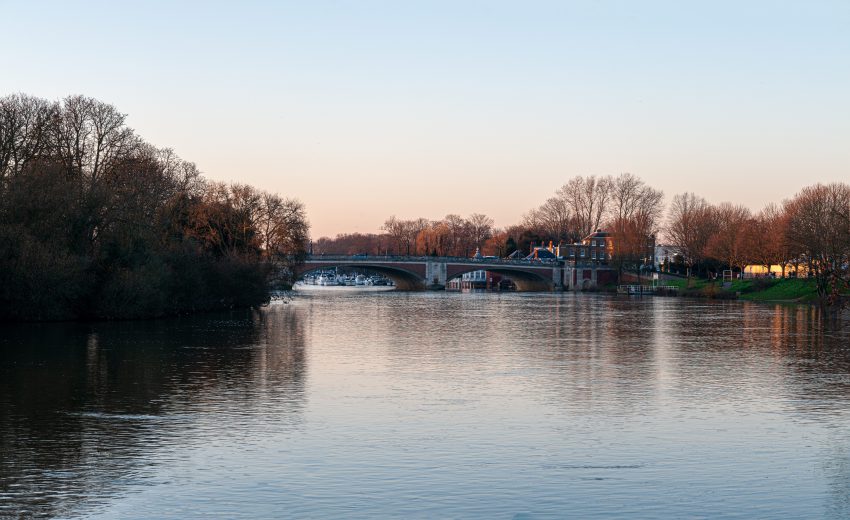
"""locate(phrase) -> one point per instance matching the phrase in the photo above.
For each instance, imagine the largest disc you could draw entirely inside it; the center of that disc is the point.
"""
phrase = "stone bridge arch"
(524, 279)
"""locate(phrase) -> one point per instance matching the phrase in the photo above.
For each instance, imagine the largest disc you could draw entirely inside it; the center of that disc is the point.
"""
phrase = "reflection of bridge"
(412, 273)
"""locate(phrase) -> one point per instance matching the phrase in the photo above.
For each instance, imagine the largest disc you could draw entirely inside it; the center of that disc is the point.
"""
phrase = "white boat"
(326, 280)
(378, 280)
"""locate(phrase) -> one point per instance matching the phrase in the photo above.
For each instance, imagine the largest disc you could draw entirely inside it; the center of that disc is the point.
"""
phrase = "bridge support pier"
(558, 279)
(435, 276)
(583, 278)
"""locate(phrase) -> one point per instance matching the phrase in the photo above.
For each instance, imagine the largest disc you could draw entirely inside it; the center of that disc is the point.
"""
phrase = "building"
(798, 270)
(586, 264)
(591, 263)
(481, 279)
(474, 280)
(543, 253)
(665, 255)
(595, 248)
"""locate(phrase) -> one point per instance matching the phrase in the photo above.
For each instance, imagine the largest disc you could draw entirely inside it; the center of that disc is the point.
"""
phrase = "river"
(356, 404)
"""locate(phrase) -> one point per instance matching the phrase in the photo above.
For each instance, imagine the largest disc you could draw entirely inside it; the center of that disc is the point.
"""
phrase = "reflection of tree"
(813, 346)
(84, 406)
(604, 354)
(585, 352)
(793, 355)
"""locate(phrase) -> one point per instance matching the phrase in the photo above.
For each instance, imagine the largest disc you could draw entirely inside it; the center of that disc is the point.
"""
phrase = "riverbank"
(798, 290)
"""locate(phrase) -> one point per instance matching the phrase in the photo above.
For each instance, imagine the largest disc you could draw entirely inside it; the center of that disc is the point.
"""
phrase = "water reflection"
(448, 405)
(85, 406)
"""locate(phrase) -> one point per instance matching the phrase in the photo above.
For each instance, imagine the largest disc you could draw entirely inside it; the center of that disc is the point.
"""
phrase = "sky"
(366, 109)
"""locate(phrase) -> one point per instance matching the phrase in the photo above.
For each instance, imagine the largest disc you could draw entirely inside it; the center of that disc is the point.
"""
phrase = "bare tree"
(91, 136)
(765, 238)
(554, 218)
(481, 228)
(689, 227)
(184, 175)
(587, 198)
(636, 210)
(431, 239)
(458, 229)
(24, 126)
(284, 228)
(819, 228)
(728, 241)
(404, 233)
(352, 243)
(577, 209)
(395, 228)
(412, 229)
(246, 201)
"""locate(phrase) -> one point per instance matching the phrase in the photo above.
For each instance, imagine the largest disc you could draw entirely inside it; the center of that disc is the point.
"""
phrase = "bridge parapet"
(444, 259)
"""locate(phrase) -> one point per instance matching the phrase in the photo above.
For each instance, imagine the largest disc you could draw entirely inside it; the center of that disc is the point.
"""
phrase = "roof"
(598, 234)
(541, 252)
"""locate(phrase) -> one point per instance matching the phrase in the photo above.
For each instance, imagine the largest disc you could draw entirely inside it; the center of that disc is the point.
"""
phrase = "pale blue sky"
(365, 109)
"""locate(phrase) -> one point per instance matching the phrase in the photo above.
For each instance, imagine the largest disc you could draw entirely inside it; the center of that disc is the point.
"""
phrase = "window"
(593, 254)
(572, 251)
(582, 253)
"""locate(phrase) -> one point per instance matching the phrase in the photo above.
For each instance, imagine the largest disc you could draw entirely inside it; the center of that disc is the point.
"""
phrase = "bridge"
(417, 273)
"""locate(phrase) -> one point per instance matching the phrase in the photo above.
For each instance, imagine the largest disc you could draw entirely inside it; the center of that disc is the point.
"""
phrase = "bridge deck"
(421, 259)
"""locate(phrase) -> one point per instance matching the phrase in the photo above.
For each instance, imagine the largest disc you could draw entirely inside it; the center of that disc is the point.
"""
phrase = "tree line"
(453, 235)
(808, 233)
(625, 206)
(97, 223)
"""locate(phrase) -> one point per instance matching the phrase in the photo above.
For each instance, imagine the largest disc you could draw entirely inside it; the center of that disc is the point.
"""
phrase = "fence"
(646, 289)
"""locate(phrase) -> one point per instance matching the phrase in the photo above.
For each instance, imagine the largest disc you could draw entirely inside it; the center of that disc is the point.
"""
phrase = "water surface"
(432, 405)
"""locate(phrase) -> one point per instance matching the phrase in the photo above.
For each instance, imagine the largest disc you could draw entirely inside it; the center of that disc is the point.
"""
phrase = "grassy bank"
(789, 289)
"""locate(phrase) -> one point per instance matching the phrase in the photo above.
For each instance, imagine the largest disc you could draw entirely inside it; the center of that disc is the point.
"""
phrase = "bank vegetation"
(97, 223)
